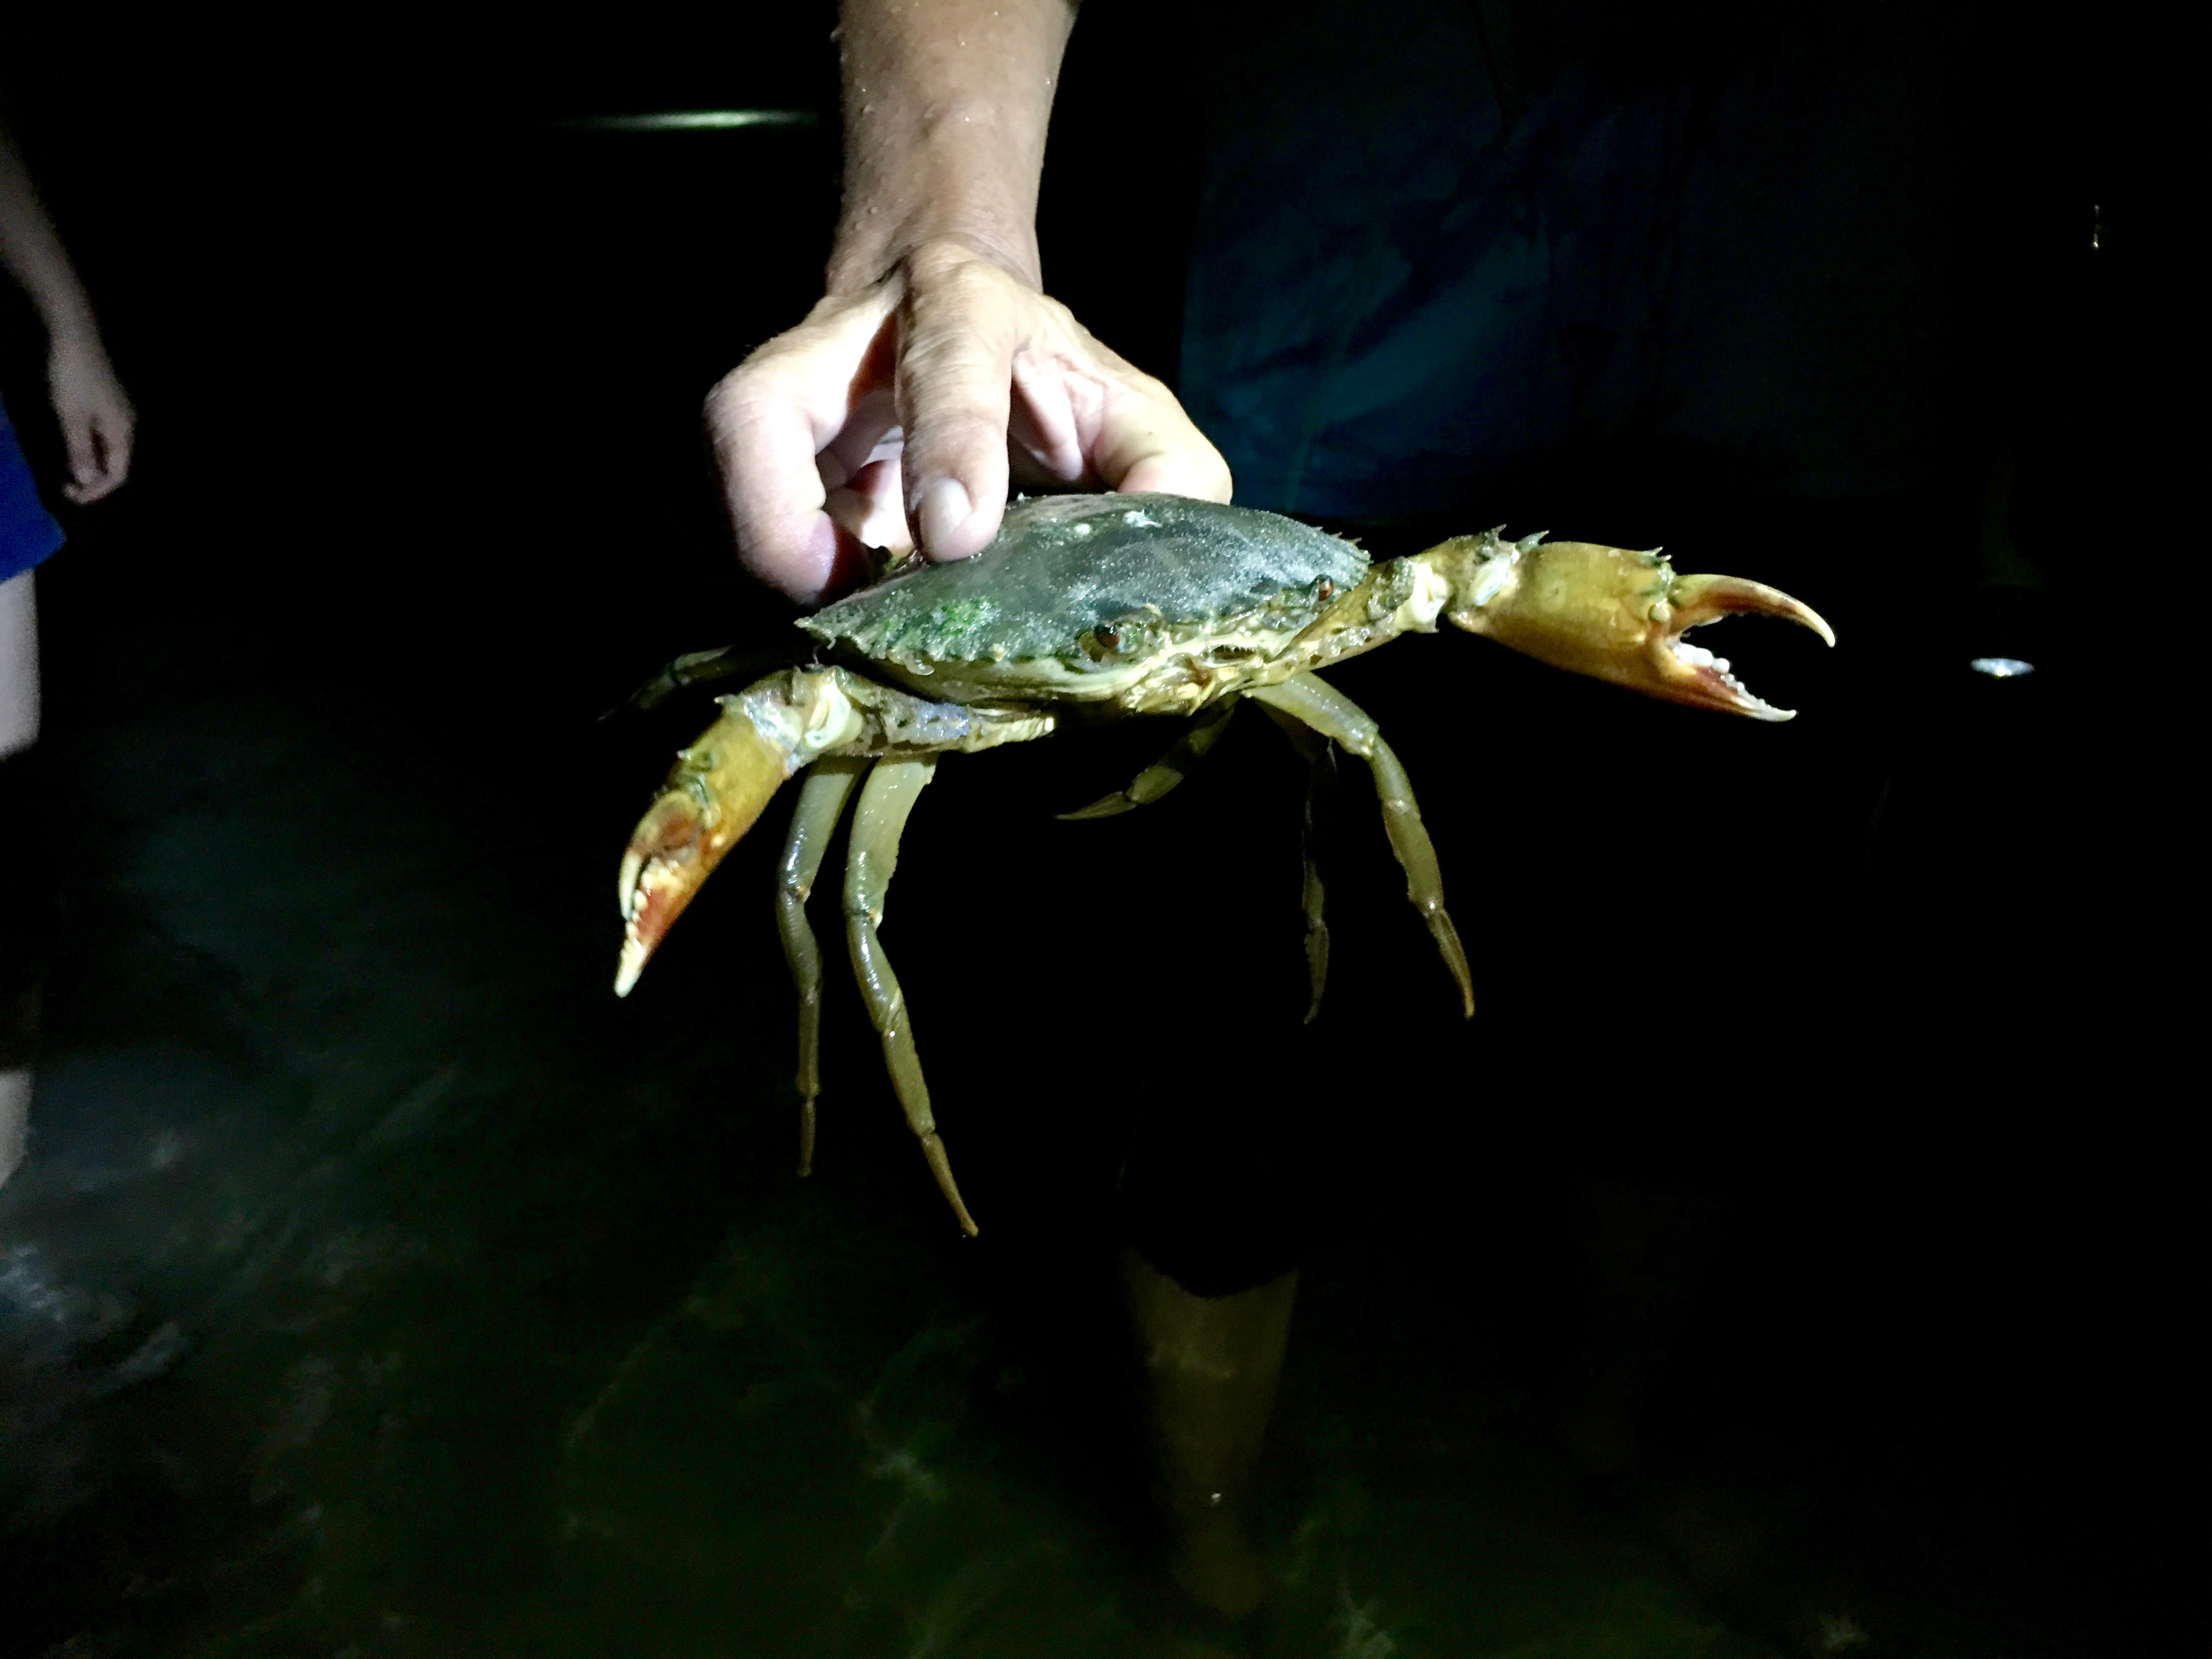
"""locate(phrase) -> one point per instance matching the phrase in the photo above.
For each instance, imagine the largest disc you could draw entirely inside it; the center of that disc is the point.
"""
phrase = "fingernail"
(944, 508)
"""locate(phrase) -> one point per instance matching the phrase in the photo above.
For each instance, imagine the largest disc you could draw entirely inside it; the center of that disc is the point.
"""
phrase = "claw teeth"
(634, 955)
(661, 869)
(629, 898)
(1735, 694)
(1696, 656)
(1697, 599)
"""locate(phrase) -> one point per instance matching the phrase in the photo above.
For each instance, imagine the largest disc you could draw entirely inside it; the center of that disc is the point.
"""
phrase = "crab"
(1123, 605)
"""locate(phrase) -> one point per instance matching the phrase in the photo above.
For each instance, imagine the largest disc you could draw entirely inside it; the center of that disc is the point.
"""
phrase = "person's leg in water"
(19, 911)
(1210, 1364)
(1210, 1208)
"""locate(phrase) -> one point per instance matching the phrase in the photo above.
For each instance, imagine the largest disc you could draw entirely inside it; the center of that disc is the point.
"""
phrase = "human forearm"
(936, 370)
(89, 402)
(32, 252)
(946, 106)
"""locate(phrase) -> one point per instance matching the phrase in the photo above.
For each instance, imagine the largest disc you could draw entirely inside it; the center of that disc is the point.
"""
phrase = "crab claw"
(717, 789)
(1611, 613)
(1690, 673)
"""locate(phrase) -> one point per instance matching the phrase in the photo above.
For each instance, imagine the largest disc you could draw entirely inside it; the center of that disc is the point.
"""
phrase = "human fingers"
(860, 474)
(122, 439)
(112, 430)
(1144, 446)
(95, 417)
(1083, 415)
(98, 447)
(963, 319)
(871, 507)
(81, 443)
(768, 420)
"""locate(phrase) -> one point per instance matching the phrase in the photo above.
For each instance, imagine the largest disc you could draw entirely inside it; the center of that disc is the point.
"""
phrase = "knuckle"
(730, 396)
(960, 285)
(1150, 387)
(973, 275)
(944, 376)
(939, 257)
(964, 431)
(749, 396)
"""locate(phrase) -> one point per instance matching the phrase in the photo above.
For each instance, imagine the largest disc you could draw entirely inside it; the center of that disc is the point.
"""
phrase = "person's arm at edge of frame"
(96, 418)
(884, 418)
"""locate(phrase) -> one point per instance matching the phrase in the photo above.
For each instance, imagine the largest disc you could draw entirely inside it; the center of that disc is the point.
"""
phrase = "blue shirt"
(29, 533)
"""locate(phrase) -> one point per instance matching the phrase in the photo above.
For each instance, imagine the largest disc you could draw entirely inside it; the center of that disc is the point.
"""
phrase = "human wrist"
(946, 106)
(929, 246)
(960, 181)
(71, 327)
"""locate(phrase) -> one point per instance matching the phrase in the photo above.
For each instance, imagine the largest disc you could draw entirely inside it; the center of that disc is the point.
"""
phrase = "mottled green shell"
(1067, 572)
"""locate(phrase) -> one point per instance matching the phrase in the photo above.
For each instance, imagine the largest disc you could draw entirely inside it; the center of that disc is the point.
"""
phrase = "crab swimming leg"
(886, 798)
(1333, 715)
(1169, 770)
(822, 800)
(1319, 755)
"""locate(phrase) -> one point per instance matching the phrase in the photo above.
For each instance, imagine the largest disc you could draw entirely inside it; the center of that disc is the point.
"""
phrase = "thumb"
(955, 395)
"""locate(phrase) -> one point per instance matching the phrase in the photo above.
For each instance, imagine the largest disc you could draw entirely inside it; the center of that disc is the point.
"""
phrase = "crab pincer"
(1611, 613)
(715, 793)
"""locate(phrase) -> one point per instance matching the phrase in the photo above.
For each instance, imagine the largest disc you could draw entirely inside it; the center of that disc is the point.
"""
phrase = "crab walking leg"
(694, 668)
(1320, 755)
(1333, 715)
(885, 800)
(822, 800)
(1169, 770)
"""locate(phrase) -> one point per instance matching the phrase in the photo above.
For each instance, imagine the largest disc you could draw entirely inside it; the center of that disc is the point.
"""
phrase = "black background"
(1853, 1027)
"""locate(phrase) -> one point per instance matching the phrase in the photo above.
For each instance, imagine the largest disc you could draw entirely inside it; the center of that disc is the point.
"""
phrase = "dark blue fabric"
(1412, 276)
(29, 533)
